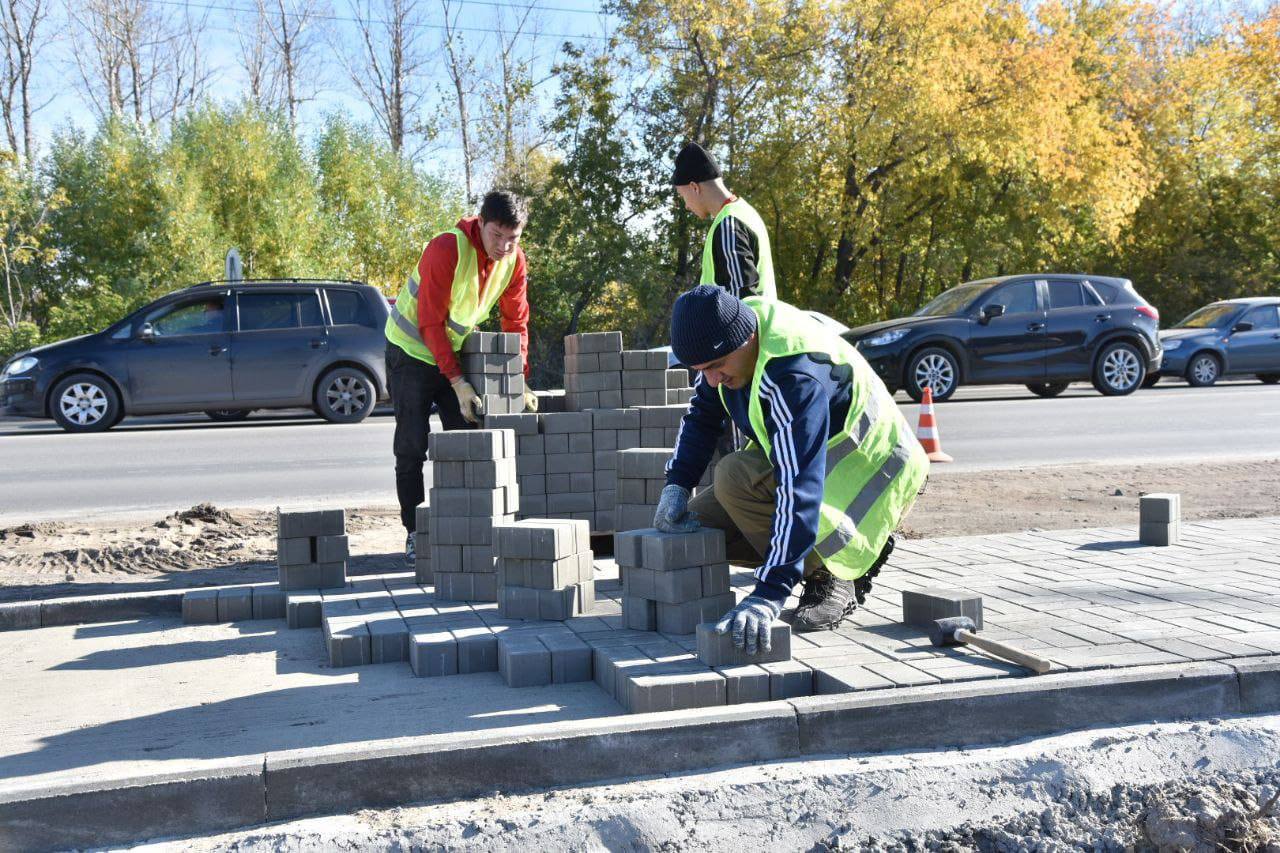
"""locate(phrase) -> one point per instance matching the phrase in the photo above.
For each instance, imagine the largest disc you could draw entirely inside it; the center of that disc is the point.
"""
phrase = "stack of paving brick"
(545, 569)
(593, 377)
(492, 364)
(672, 582)
(647, 381)
(569, 463)
(641, 474)
(612, 430)
(311, 549)
(1159, 519)
(756, 677)
(422, 546)
(533, 658)
(474, 487)
(233, 604)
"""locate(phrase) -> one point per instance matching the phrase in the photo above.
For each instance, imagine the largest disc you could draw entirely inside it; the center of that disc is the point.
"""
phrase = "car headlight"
(21, 365)
(1171, 345)
(885, 338)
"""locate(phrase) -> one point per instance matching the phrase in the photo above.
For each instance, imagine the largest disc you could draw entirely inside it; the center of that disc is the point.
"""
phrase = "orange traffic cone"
(927, 431)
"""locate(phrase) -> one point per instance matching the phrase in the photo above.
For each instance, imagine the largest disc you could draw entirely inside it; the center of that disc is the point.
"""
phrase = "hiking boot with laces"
(410, 555)
(827, 601)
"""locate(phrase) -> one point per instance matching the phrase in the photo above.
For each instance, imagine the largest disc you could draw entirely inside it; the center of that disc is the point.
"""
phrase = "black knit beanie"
(694, 165)
(708, 323)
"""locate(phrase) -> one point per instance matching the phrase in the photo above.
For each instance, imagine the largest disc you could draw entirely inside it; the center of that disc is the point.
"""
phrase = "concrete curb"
(342, 778)
(84, 609)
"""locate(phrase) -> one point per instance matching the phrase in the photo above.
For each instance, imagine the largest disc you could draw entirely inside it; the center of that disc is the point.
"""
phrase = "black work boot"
(827, 600)
(410, 557)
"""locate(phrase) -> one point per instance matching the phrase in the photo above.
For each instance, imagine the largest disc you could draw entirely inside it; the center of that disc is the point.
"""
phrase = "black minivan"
(224, 348)
(1044, 331)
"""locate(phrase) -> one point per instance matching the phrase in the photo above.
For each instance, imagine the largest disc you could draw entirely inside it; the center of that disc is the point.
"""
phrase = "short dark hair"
(506, 208)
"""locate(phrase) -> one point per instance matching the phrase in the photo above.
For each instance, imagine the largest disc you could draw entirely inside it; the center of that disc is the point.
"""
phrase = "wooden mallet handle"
(1037, 665)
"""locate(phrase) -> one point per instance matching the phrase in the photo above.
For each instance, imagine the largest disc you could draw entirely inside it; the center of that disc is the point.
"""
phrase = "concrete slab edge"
(345, 777)
(88, 609)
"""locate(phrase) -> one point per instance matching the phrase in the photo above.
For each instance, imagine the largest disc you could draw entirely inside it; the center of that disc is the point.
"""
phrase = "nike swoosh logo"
(717, 346)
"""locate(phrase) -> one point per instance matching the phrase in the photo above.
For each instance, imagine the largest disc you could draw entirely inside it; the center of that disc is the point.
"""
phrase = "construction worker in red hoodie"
(462, 274)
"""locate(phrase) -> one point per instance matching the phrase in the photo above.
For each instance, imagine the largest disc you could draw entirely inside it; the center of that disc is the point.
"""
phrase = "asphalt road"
(161, 464)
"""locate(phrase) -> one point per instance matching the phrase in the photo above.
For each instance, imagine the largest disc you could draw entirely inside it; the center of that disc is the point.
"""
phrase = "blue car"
(1228, 338)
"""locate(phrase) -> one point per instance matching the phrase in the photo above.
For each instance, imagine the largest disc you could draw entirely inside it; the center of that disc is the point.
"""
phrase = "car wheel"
(345, 395)
(1047, 389)
(85, 402)
(1269, 378)
(1119, 370)
(228, 415)
(934, 368)
(1151, 380)
(1203, 370)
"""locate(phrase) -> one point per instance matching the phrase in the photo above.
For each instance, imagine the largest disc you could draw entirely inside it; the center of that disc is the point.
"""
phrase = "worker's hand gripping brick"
(672, 514)
(468, 401)
(750, 622)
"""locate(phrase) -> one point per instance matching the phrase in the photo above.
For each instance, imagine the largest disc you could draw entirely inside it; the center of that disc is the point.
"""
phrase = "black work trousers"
(415, 388)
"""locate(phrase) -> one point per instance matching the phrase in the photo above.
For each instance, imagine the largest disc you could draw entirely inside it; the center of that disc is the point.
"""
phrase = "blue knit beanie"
(708, 323)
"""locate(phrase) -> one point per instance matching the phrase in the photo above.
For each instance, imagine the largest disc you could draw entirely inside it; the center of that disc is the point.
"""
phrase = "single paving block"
(235, 604)
(332, 549)
(477, 649)
(671, 687)
(388, 639)
(742, 684)
(639, 614)
(1162, 508)
(349, 646)
(666, 551)
(323, 522)
(718, 649)
(523, 660)
(304, 609)
(684, 618)
(433, 653)
(789, 679)
(922, 606)
(199, 607)
(268, 602)
(422, 570)
(570, 657)
(1159, 533)
(715, 579)
(295, 551)
(678, 585)
(554, 423)
(558, 605)
(454, 586)
(627, 545)
(518, 602)
(478, 559)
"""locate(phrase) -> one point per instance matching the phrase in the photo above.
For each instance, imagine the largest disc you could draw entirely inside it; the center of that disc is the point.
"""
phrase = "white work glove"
(469, 401)
(672, 515)
(751, 621)
(530, 400)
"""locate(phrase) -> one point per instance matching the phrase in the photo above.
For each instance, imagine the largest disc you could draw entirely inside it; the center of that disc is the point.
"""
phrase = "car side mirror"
(989, 311)
(1243, 326)
(146, 332)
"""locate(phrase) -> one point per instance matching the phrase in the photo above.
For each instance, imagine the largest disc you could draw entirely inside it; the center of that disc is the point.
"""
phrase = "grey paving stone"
(718, 650)
(1159, 533)
(922, 606)
(570, 657)
(523, 660)
(349, 646)
(643, 462)
(639, 614)
(667, 551)
(749, 683)
(679, 585)
(477, 649)
(388, 639)
(332, 549)
(433, 653)
(295, 551)
(675, 691)
(1161, 508)
(235, 604)
(715, 579)
(684, 618)
(554, 423)
(518, 602)
(789, 679)
(199, 607)
(268, 602)
(325, 522)
(303, 609)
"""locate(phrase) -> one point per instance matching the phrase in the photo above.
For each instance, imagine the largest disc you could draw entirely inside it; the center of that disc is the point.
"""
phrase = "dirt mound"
(200, 514)
(30, 531)
(1197, 817)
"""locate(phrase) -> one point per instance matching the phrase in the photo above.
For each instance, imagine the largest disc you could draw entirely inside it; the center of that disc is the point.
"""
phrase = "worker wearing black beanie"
(735, 254)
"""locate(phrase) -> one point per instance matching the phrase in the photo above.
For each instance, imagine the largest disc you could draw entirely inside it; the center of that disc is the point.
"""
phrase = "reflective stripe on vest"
(747, 215)
(467, 306)
(875, 467)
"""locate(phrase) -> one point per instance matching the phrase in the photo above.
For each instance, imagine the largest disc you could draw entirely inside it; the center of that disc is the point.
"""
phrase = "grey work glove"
(751, 621)
(672, 515)
(469, 401)
(530, 400)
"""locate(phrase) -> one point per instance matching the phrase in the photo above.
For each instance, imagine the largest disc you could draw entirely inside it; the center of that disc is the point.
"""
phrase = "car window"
(201, 317)
(1017, 298)
(260, 311)
(953, 300)
(1065, 294)
(1208, 317)
(1262, 317)
(348, 307)
(1109, 292)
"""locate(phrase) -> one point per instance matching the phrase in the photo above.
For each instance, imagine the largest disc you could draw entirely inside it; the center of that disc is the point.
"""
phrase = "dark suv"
(1045, 331)
(224, 348)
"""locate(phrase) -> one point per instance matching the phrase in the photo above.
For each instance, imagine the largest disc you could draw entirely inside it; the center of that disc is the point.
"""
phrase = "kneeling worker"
(832, 469)
(462, 274)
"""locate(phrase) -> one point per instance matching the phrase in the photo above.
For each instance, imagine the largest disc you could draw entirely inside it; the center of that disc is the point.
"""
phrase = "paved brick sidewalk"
(1085, 599)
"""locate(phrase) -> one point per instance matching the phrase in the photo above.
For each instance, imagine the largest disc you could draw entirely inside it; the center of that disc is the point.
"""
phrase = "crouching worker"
(831, 470)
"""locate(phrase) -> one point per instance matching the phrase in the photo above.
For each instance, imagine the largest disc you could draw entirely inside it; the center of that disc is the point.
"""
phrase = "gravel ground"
(1206, 786)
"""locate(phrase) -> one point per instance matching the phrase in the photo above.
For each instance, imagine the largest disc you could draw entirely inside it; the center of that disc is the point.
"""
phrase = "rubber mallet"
(961, 631)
